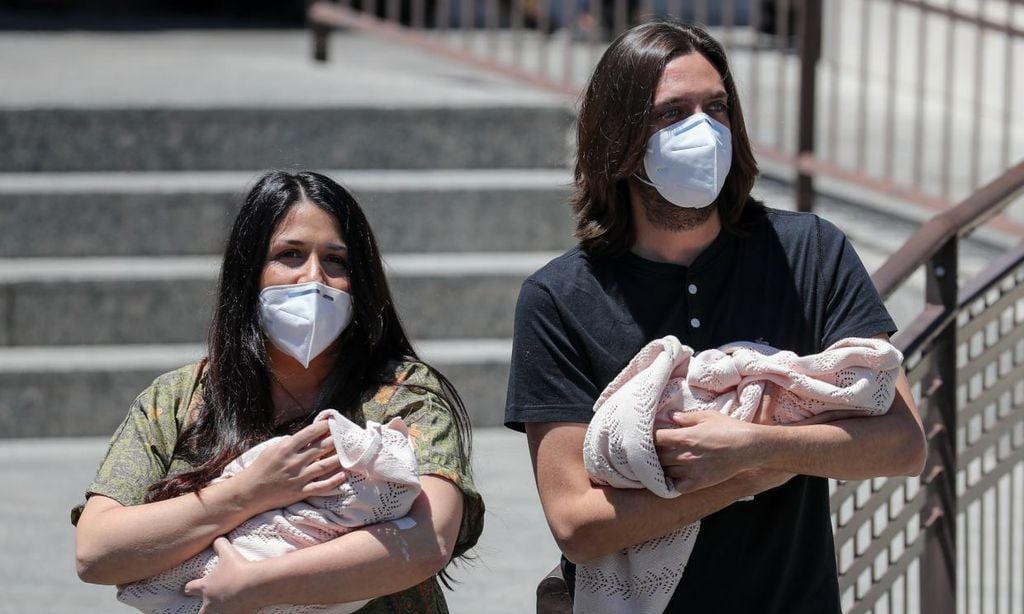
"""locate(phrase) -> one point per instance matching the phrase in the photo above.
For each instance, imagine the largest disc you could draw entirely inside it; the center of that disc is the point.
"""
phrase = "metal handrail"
(959, 221)
(826, 41)
(937, 337)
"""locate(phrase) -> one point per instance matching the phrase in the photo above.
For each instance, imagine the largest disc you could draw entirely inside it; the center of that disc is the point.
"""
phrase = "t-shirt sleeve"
(139, 453)
(416, 398)
(549, 378)
(853, 307)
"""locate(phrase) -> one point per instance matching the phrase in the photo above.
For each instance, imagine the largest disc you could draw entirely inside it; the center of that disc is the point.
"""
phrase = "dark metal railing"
(947, 541)
(912, 99)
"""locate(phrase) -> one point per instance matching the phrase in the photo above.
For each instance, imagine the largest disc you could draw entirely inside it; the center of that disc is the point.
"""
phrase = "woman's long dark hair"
(235, 411)
(611, 132)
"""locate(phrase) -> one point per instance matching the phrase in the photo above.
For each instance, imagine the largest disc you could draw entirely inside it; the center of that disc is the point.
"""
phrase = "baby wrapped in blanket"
(382, 485)
(852, 377)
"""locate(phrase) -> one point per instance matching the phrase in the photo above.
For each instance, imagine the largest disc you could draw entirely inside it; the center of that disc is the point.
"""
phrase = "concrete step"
(225, 138)
(189, 213)
(64, 301)
(86, 391)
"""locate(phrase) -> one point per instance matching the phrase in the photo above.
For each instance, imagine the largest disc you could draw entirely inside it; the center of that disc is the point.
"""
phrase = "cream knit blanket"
(382, 485)
(665, 376)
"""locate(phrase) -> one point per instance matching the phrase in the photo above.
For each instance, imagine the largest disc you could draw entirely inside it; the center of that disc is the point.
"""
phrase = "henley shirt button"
(693, 288)
(695, 323)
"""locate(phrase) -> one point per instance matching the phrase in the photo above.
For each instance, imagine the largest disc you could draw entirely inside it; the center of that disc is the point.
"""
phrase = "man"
(670, 242)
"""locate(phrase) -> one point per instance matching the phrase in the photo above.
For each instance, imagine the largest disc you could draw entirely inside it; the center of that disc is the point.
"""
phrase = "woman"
(152, 505)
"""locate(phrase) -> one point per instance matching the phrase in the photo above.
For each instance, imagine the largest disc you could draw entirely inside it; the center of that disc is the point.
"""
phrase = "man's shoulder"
(784, 221)
(799, 225)
(567, 263)
(563, 273)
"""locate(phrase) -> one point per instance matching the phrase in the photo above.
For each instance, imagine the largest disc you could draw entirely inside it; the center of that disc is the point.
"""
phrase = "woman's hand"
(223, 590)
(303, 465)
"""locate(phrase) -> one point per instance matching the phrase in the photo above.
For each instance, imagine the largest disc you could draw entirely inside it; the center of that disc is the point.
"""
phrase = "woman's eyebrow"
(337, 247)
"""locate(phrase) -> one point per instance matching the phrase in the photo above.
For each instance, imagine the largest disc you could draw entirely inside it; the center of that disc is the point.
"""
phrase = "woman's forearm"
(117, 544)
(377, 560)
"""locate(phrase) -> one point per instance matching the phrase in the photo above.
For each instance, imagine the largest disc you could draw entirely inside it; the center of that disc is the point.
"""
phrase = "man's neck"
(673, 246)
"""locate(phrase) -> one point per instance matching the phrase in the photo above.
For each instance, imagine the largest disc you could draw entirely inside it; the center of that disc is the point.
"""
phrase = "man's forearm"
(852, 449)
(605, 520)
(709, 447)
(589, 521)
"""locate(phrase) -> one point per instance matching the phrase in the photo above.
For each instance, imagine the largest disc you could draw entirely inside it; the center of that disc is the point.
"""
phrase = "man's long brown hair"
(611, 133)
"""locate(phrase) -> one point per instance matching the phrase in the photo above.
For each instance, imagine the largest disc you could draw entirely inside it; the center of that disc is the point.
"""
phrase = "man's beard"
(665, 216)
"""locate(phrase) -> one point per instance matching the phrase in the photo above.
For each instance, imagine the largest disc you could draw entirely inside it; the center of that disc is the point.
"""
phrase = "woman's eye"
(337, 262)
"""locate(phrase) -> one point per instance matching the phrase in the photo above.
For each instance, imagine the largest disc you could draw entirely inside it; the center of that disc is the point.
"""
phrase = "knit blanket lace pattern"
(382, 485)
(855, 376)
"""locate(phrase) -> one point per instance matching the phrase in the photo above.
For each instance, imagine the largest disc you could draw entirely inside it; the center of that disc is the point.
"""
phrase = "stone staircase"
(114, 222)
(117, 185)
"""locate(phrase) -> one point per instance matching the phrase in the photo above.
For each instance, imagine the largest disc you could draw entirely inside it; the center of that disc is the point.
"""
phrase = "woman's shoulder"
(174, 392)
(410, 372)
(402, 386)
(184, 377)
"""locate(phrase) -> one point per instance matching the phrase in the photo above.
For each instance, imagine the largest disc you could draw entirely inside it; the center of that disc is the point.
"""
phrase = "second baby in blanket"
(747, 381)
(383, 483)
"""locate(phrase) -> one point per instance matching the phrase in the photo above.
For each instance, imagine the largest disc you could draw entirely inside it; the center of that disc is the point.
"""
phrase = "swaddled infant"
(747, 381)
(758, 383)
(382, 485)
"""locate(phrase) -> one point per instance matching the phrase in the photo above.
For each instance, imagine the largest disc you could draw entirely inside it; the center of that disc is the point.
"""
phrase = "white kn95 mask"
(301, 320)
(688, 161)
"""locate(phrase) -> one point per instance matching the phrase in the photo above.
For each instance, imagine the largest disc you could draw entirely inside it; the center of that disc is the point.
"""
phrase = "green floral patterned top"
(141, 453)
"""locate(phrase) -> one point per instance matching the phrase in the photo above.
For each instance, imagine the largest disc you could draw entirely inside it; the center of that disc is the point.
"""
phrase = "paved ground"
(43, 479)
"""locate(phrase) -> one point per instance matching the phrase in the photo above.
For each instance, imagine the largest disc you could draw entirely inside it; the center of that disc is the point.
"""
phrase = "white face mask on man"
(688, 161)
(302, 320)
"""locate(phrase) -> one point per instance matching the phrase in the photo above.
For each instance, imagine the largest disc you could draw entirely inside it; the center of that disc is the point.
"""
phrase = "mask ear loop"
(642, 180)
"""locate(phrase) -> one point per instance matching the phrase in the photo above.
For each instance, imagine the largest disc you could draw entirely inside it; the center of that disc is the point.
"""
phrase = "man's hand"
(705, 449)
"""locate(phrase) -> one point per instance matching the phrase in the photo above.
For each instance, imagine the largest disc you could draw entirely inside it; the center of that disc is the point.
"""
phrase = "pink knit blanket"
(854, 376)
(382, 485)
